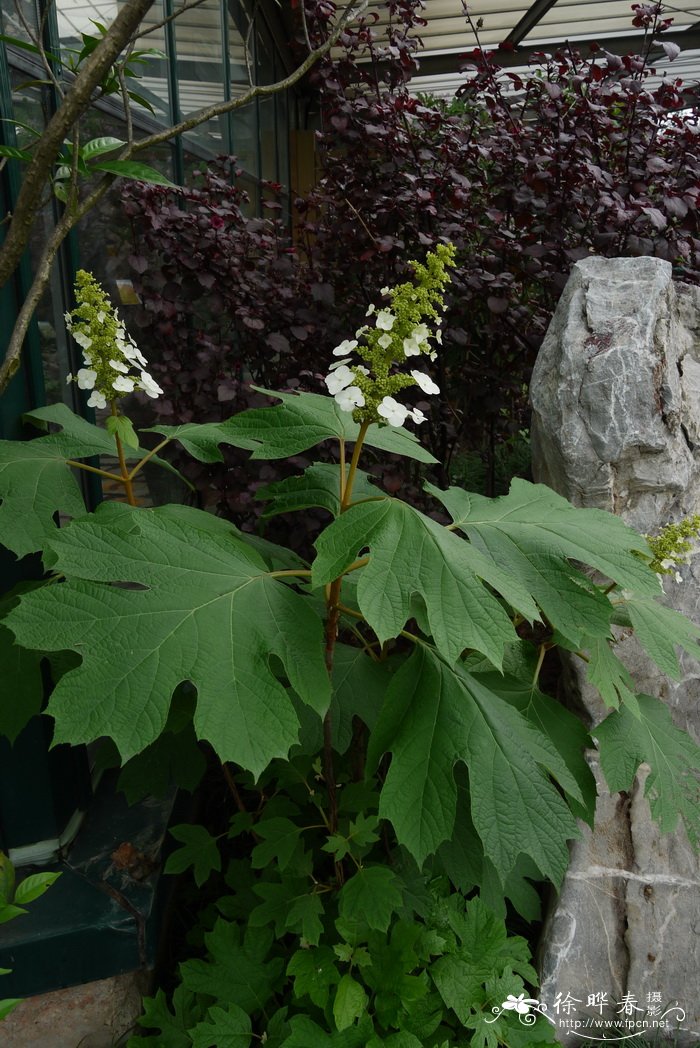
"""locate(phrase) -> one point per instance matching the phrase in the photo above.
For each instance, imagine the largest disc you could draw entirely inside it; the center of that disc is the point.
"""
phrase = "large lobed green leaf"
(435, 716)
(206, 610)
(36, 483)
(303, 420)
(410, 554)
(673, 784)
(529, 526)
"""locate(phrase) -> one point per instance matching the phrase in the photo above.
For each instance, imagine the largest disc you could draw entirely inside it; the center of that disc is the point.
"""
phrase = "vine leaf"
(350, 1002)
(237, 971)
(307, 1034)
(412, 554)
(435, 716)
(673, 788)
(303, 420)
(206, 610)
(199, 850)
(314, 972)
(226, 1028)
(370, 897)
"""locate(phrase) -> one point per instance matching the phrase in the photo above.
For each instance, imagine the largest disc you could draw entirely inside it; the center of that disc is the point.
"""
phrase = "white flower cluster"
(341, 378)
(114, 379)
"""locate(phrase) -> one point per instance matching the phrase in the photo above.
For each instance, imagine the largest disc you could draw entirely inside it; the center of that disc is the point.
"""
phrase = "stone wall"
(616, 425)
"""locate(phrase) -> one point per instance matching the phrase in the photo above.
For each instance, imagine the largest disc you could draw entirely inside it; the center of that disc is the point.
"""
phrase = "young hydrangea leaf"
(314, 972)
(318, 486)
(236, 972)
(436, 715)
(207, 610)
(199, 850)
(225, 1028)
(303, 420)
(412, 554)
(306, 1034)
(122, 427)
(280, 839)
(278, 899)
(672, 786)
(660, 630)
(349, 1003)
(532, 524)
(304, 918)
(485, 953)
(370, 897)
(174, 1024)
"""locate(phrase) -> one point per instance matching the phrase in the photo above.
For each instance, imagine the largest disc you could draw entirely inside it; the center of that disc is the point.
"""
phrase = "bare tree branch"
(176, 14)
(76, 101)
(74, 104)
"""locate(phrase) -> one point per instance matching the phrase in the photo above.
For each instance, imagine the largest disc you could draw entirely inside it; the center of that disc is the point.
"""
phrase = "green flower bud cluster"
(401, 330)
(672, 545)
(110, 355)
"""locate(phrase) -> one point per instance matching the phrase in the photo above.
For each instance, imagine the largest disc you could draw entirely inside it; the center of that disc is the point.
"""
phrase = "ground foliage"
(525, 174)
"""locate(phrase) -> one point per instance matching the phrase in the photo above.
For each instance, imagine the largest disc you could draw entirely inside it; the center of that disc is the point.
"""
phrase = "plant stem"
(347, 495)
(93, 469)
(146, 458)
(291, 573)
(332, 616)
(341, 444)
(125, 475)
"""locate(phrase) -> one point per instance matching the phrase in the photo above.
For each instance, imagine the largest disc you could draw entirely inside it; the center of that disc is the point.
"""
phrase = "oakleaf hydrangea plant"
(397, 774)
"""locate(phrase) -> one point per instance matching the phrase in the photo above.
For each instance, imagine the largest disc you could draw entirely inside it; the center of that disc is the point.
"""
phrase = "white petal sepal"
(149, 385)
(392, 411)
(97, 400)
(417, 415)
(339, 379)
(350, 398)
(86, 378)
(118, 366)
(123, 384)
(346, 346)
(385, 320)
(425, 382)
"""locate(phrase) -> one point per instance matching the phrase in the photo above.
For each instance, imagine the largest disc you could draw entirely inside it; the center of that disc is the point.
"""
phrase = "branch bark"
(77, 100)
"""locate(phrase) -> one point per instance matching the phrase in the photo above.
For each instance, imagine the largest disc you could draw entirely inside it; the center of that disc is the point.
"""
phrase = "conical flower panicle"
(401, 330)
(113, 364)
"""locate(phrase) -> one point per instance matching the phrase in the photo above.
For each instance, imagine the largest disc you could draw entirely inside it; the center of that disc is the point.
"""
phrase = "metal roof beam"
(529, 20)
(439, 64)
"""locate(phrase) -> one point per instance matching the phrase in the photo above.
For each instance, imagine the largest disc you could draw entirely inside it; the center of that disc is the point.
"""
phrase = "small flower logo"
(519, 1004)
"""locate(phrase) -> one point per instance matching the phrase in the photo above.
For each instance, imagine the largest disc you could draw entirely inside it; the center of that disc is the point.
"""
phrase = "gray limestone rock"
(616, 425)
